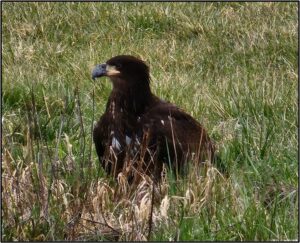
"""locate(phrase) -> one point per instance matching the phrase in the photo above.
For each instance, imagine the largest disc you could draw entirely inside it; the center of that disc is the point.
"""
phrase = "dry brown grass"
(112, 210)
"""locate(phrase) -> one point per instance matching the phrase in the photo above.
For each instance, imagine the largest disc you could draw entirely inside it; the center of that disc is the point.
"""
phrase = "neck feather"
(131, 98)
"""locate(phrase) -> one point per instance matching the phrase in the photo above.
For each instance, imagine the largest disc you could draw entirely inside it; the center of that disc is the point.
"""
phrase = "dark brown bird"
(137, 125)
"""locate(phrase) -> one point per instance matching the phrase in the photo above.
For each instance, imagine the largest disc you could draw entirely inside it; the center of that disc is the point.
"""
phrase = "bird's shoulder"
(162, 111)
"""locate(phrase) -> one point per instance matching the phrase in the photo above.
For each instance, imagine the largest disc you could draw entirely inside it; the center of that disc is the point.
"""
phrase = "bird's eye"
(118, 65)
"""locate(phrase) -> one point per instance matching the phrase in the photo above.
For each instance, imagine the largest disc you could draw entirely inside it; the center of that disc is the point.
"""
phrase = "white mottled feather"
(115, 143)
(128, 140)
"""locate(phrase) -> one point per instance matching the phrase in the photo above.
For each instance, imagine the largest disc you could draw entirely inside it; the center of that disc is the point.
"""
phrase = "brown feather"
(139, 125)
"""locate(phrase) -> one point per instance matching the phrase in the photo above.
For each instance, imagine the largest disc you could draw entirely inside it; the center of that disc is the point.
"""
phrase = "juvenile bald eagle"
(137, 125)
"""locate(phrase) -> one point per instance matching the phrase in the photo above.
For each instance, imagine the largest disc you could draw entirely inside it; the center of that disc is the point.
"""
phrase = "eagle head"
(123, 67)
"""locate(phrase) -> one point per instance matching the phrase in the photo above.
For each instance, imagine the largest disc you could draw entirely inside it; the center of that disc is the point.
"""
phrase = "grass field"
(233, 66)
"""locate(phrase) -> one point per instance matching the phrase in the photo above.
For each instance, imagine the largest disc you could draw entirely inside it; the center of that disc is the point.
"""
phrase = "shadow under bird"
(139, 126)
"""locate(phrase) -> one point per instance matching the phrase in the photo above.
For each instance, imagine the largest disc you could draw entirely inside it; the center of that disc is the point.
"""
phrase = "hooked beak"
(99, 71)
(104, 70)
